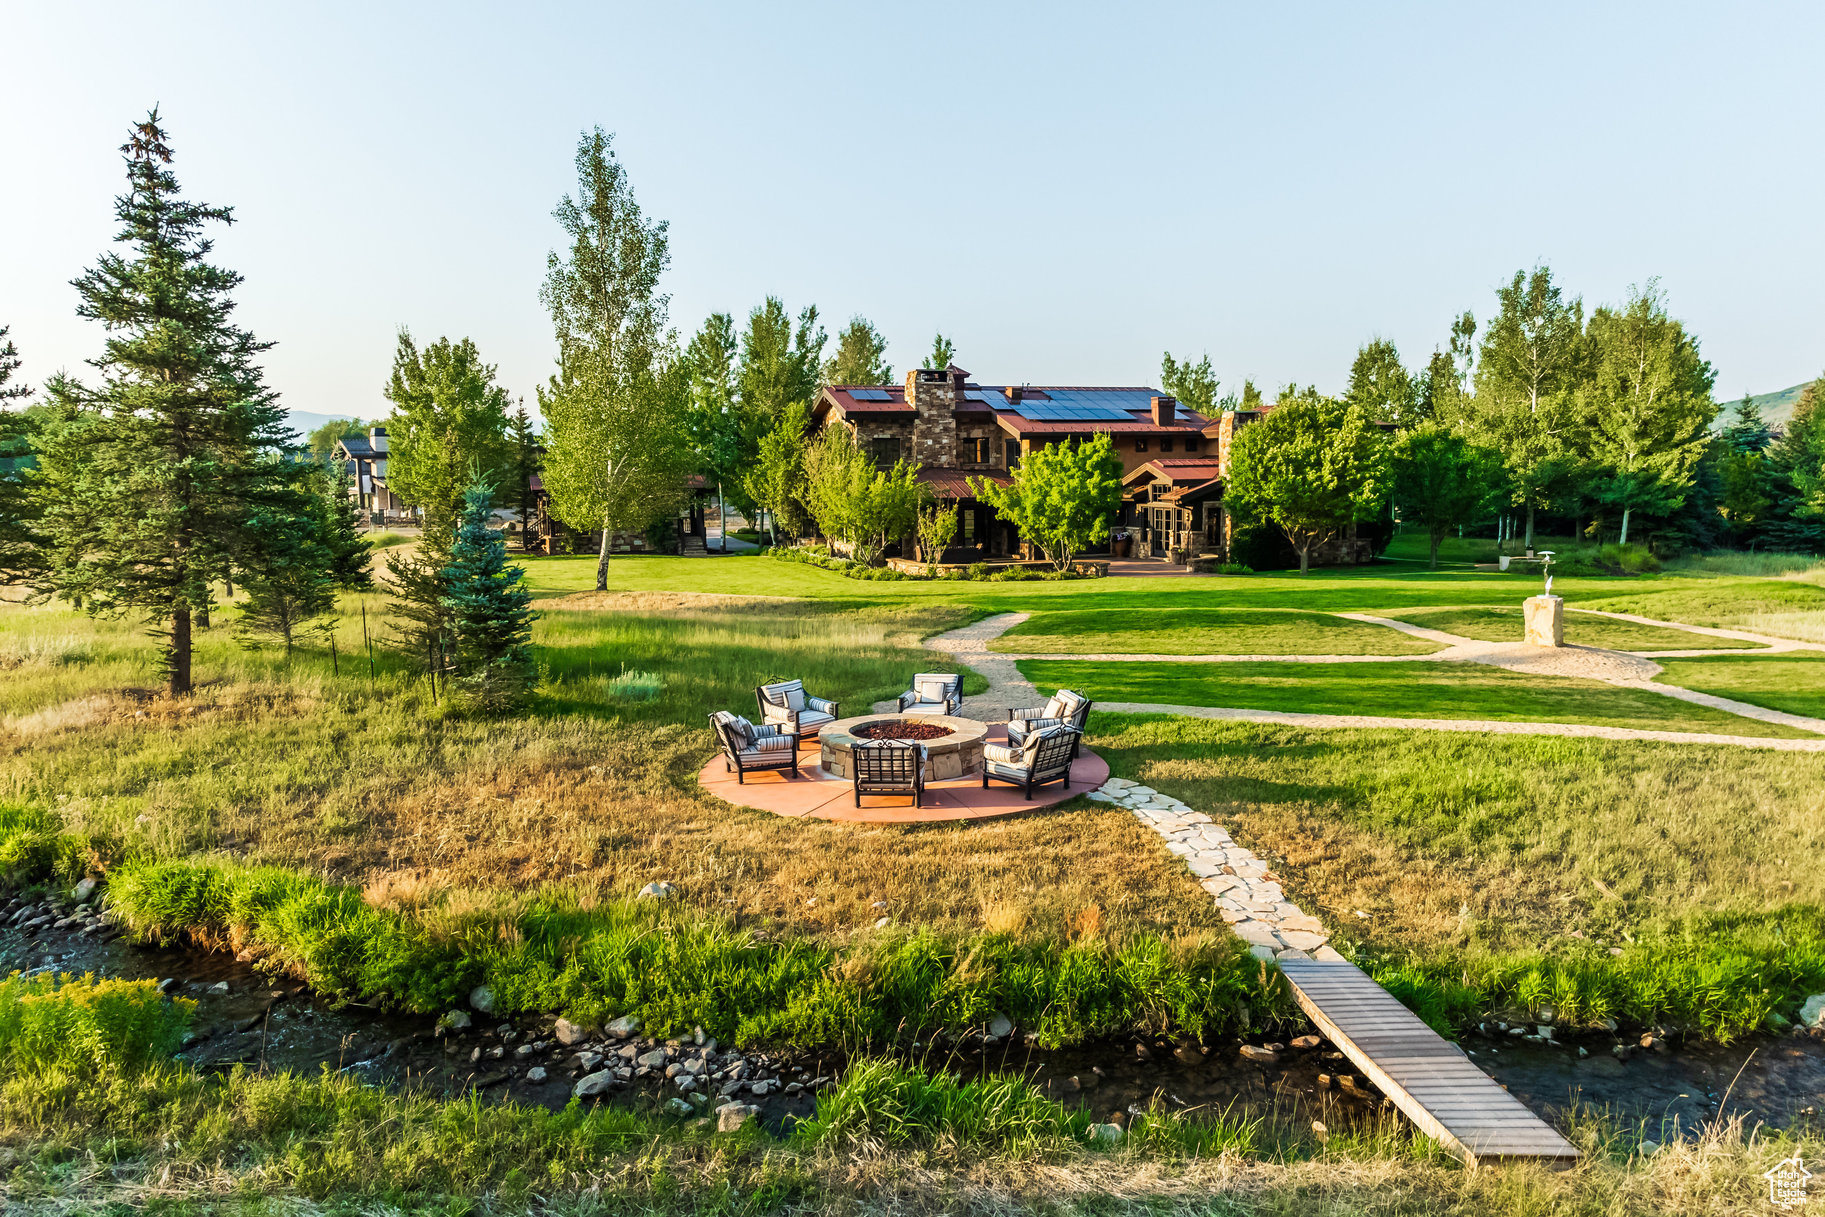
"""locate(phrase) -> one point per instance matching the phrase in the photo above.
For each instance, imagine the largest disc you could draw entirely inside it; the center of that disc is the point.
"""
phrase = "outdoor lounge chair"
(787, 706)
(934, 693)
(889, 766)
(1044, 757)
(747, 748)
(1066, 706)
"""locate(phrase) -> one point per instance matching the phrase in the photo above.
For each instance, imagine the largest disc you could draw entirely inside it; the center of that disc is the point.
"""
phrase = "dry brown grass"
(603, 810)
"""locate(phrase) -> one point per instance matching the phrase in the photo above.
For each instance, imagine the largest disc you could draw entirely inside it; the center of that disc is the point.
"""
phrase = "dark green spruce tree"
(21, 542)
(303, 547)
(489, 610)
(154, 507)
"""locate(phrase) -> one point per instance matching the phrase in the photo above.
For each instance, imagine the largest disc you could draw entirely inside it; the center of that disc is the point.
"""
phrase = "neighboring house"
(547, 534)
(364, 459)
(956, 429)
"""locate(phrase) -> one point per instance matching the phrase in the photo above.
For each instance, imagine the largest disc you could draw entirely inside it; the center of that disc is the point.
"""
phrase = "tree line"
(1607, 420)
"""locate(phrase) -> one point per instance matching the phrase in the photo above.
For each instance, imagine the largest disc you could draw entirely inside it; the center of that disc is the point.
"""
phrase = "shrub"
(34, 850)
(86, 1024)
(979, 570)
(1632, 559)
(634, 686)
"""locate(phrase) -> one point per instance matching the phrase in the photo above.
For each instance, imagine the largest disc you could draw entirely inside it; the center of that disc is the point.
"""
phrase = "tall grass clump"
(35, 850)
(678, 968)
(1722, 975)
(81, 1023)
(884, 1103)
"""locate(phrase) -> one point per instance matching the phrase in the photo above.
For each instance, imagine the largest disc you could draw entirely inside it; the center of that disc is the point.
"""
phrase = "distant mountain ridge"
(1777, 408)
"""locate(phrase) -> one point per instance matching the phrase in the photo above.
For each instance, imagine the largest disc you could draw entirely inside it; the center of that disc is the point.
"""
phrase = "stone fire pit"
(951, 755)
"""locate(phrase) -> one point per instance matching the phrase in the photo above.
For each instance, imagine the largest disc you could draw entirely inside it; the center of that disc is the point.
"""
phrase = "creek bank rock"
(482, 999)
(730, 1117)
(594, 1084)
(1812, 1014)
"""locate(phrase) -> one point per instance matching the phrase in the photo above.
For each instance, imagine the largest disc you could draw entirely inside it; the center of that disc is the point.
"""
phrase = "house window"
(886, 449)
(969, 526)
(1140, 443)
(1165, 443)
(1191, 443)
(976, 451)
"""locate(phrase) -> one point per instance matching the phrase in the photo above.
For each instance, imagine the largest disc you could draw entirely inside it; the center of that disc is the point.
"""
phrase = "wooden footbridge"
(1430, 1079)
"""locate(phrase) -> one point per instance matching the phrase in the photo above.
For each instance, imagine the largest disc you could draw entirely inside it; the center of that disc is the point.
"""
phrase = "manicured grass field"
(1791, 607)
(1507, 841)
(1794, 682)
(1205, 631)
(1505, 623)
(1403, 689)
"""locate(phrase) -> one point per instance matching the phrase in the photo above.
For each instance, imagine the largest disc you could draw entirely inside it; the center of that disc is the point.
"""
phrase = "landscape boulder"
(482, 999)
(568, 1033)
(730, 1117)
(657, 890)
(624, 1026)
(84, 890)
(593, 1084)
(1812, 1014)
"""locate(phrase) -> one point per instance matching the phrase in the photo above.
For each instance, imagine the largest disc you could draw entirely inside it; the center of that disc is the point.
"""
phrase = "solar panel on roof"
(871, 394)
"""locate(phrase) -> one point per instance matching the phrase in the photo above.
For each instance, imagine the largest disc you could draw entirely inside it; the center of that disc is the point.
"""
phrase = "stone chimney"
(934, 394)
(1012, 393)
(377, 439)
(1165, 411)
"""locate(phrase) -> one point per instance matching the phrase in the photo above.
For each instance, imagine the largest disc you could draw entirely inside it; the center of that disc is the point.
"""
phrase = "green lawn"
(1205, 631)
(1793, 682)
(1400, 689)
(1505, 624)
(1792, 607)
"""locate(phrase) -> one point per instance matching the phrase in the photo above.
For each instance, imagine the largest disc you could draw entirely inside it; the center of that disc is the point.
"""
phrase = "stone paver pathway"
(1246, 890)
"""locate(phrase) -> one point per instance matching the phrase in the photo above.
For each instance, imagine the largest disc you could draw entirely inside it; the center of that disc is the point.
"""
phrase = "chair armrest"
(1001, 754)
(908, 698)
(822, 706)
(1031, 712)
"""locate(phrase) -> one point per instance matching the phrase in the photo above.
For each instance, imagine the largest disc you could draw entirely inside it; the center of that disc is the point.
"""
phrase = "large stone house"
(957, 429)
(1175, 461)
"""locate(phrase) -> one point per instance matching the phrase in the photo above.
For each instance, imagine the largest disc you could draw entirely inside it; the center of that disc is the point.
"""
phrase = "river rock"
(1306, 1042)
(568, 1033)
(1812, 1014)
(675, 1106)
(84, 890)
(1106, 1134)
(481, 998)
(1258, 1054)
(1001, 1026)
(536, 1074)
(651, 1060)
(730, 1117)
(594, 1084)
(1189, 1054)
(455, 1020)
(624, 1026)
(657, 890)
(218, 989)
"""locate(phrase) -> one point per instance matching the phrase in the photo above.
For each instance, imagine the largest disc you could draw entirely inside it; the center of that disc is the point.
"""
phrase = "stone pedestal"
(1545, 620)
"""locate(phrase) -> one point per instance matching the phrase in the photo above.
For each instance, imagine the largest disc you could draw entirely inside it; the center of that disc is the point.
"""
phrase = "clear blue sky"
(1066, 190)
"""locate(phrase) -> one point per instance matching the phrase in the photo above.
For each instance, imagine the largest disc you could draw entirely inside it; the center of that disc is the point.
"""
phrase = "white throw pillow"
(932, 688)
(795, 697)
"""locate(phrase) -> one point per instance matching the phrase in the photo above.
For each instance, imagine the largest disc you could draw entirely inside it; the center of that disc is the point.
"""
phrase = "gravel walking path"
(1009, 689)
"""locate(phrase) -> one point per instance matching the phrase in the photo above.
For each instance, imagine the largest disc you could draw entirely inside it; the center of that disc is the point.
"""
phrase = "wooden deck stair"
(1431, 1080)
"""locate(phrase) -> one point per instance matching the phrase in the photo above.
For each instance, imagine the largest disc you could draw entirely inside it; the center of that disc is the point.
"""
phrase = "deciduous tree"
(1062, 497)
(1442, 480)
(617, 451)
(1648, 402)
(776, 481)
(1193, 384)
(1529, 367)
(779, 363)
(943, 353)
(449, 416)
(1381, 385)
(861, 356)
(1312, 467)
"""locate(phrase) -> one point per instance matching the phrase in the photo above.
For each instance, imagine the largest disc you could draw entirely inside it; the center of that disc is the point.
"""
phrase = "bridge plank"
(1432, 1082)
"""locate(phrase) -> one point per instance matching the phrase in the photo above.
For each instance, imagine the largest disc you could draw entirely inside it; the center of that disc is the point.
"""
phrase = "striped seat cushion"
(775, 744)
(1002, 754)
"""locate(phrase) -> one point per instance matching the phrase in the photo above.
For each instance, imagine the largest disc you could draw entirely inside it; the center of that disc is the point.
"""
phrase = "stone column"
(1545, 620)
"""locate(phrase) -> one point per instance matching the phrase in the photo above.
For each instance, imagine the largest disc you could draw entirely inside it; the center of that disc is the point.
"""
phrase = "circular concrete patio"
(815, 794)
